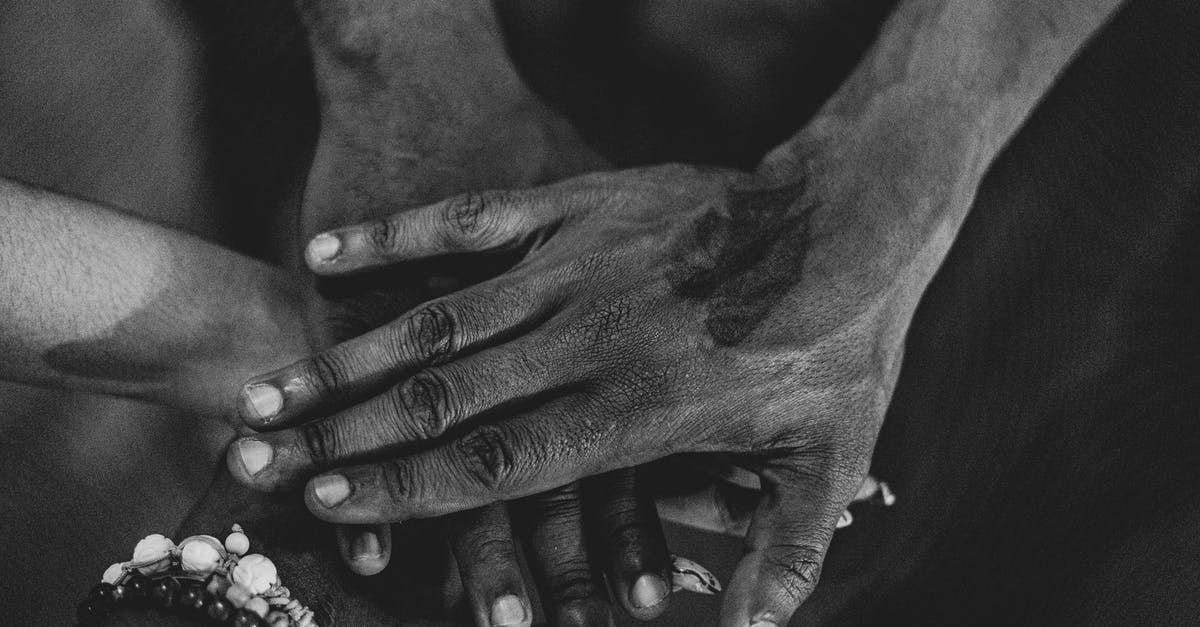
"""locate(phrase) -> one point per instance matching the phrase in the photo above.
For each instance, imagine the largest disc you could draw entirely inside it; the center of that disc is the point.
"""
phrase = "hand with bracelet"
(676, 309)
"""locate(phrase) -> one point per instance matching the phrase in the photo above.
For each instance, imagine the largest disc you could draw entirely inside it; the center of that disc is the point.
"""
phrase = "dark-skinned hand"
(658, 311)
(411, 94)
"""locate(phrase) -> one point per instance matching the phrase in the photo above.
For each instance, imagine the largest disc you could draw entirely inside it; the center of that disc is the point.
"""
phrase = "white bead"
(238, 595)
(113, 573)
(258, 606)
(200, 555)
(256, 573)
(237, 543)
(155, 548)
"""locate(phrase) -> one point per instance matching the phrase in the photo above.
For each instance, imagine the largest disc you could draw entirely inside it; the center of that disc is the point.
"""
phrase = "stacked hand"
(662, 311)
(394, 132)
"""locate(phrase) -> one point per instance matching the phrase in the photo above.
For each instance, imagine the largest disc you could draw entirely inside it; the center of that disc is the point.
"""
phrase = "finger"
(366, 549)
(543, 449)
(486, 553)
(786, 546)
(472, 222)
(433, 333)
(551, 526)
(424, 407)
(631, 539)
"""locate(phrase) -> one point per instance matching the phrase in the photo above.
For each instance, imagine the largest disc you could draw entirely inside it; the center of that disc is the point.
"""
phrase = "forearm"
(94, 299)
(914, 128)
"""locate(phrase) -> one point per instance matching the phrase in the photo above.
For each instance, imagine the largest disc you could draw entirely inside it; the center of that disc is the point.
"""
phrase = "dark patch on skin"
(124, 356)
(742, 257)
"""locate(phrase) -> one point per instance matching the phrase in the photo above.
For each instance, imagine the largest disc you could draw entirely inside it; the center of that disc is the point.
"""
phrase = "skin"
(394, 133)
(103, 301)
(680, 309)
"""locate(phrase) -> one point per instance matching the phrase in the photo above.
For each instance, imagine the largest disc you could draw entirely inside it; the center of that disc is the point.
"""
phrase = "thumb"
(785, 547)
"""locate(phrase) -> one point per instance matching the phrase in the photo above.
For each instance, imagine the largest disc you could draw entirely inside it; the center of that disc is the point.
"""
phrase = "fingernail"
(323, 248)
(255, 455)
(365, 546)
(508, 610)
(649, 590)
(265, 400)
(690, 576)
(331, 490)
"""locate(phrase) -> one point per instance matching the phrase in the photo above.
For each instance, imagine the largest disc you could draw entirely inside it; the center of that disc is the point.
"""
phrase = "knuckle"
(489, 457)
(469, 218)
(573, 581)
(382, 235)
(320, 440)
(325, 373)
(433, 333)
(398, 481)
(425, 400)
(492, 547)
(799, 568)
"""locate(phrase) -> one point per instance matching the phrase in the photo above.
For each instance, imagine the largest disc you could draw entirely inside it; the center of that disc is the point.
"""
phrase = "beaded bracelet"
(202, 575)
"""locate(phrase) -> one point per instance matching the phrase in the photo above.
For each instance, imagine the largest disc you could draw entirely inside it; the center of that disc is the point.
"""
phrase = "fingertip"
(367, 554)
(246, 458)
(510, 610)
(648, 597)
(259, 404)
(323, 251)
(325, 493)
(366, 550)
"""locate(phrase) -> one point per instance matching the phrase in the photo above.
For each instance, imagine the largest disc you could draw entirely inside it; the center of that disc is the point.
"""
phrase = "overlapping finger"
(542, 449)
(486, 552)
(425, 406)
(433, 333)
(571, 588)
(630, 537)
(787, 542)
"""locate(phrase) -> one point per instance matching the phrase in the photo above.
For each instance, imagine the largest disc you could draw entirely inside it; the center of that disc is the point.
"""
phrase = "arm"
(914, 129)
(98, 300)
(675, 309)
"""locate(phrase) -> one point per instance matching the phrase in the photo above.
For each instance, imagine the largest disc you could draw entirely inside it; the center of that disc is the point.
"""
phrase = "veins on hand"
(742, 256)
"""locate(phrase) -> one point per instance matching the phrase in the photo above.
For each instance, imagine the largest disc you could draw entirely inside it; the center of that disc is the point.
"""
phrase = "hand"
(394, 132)
(657, 311)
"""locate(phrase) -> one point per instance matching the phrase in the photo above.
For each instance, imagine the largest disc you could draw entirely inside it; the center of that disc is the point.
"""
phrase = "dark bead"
(137, 586)
(104, 595)
(121, 593)
(193, 598)
(220, 609)
(166, 591)
(89, 613)
(246, 618)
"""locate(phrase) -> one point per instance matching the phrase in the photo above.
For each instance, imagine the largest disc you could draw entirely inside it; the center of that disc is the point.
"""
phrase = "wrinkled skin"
(411, 95)
(657, 311)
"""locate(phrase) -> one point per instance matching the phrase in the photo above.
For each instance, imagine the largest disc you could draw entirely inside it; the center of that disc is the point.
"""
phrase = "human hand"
(412, 94)
(657, 311)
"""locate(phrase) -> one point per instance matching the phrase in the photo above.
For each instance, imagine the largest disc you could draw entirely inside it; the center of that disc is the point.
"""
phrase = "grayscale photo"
(499, 313)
